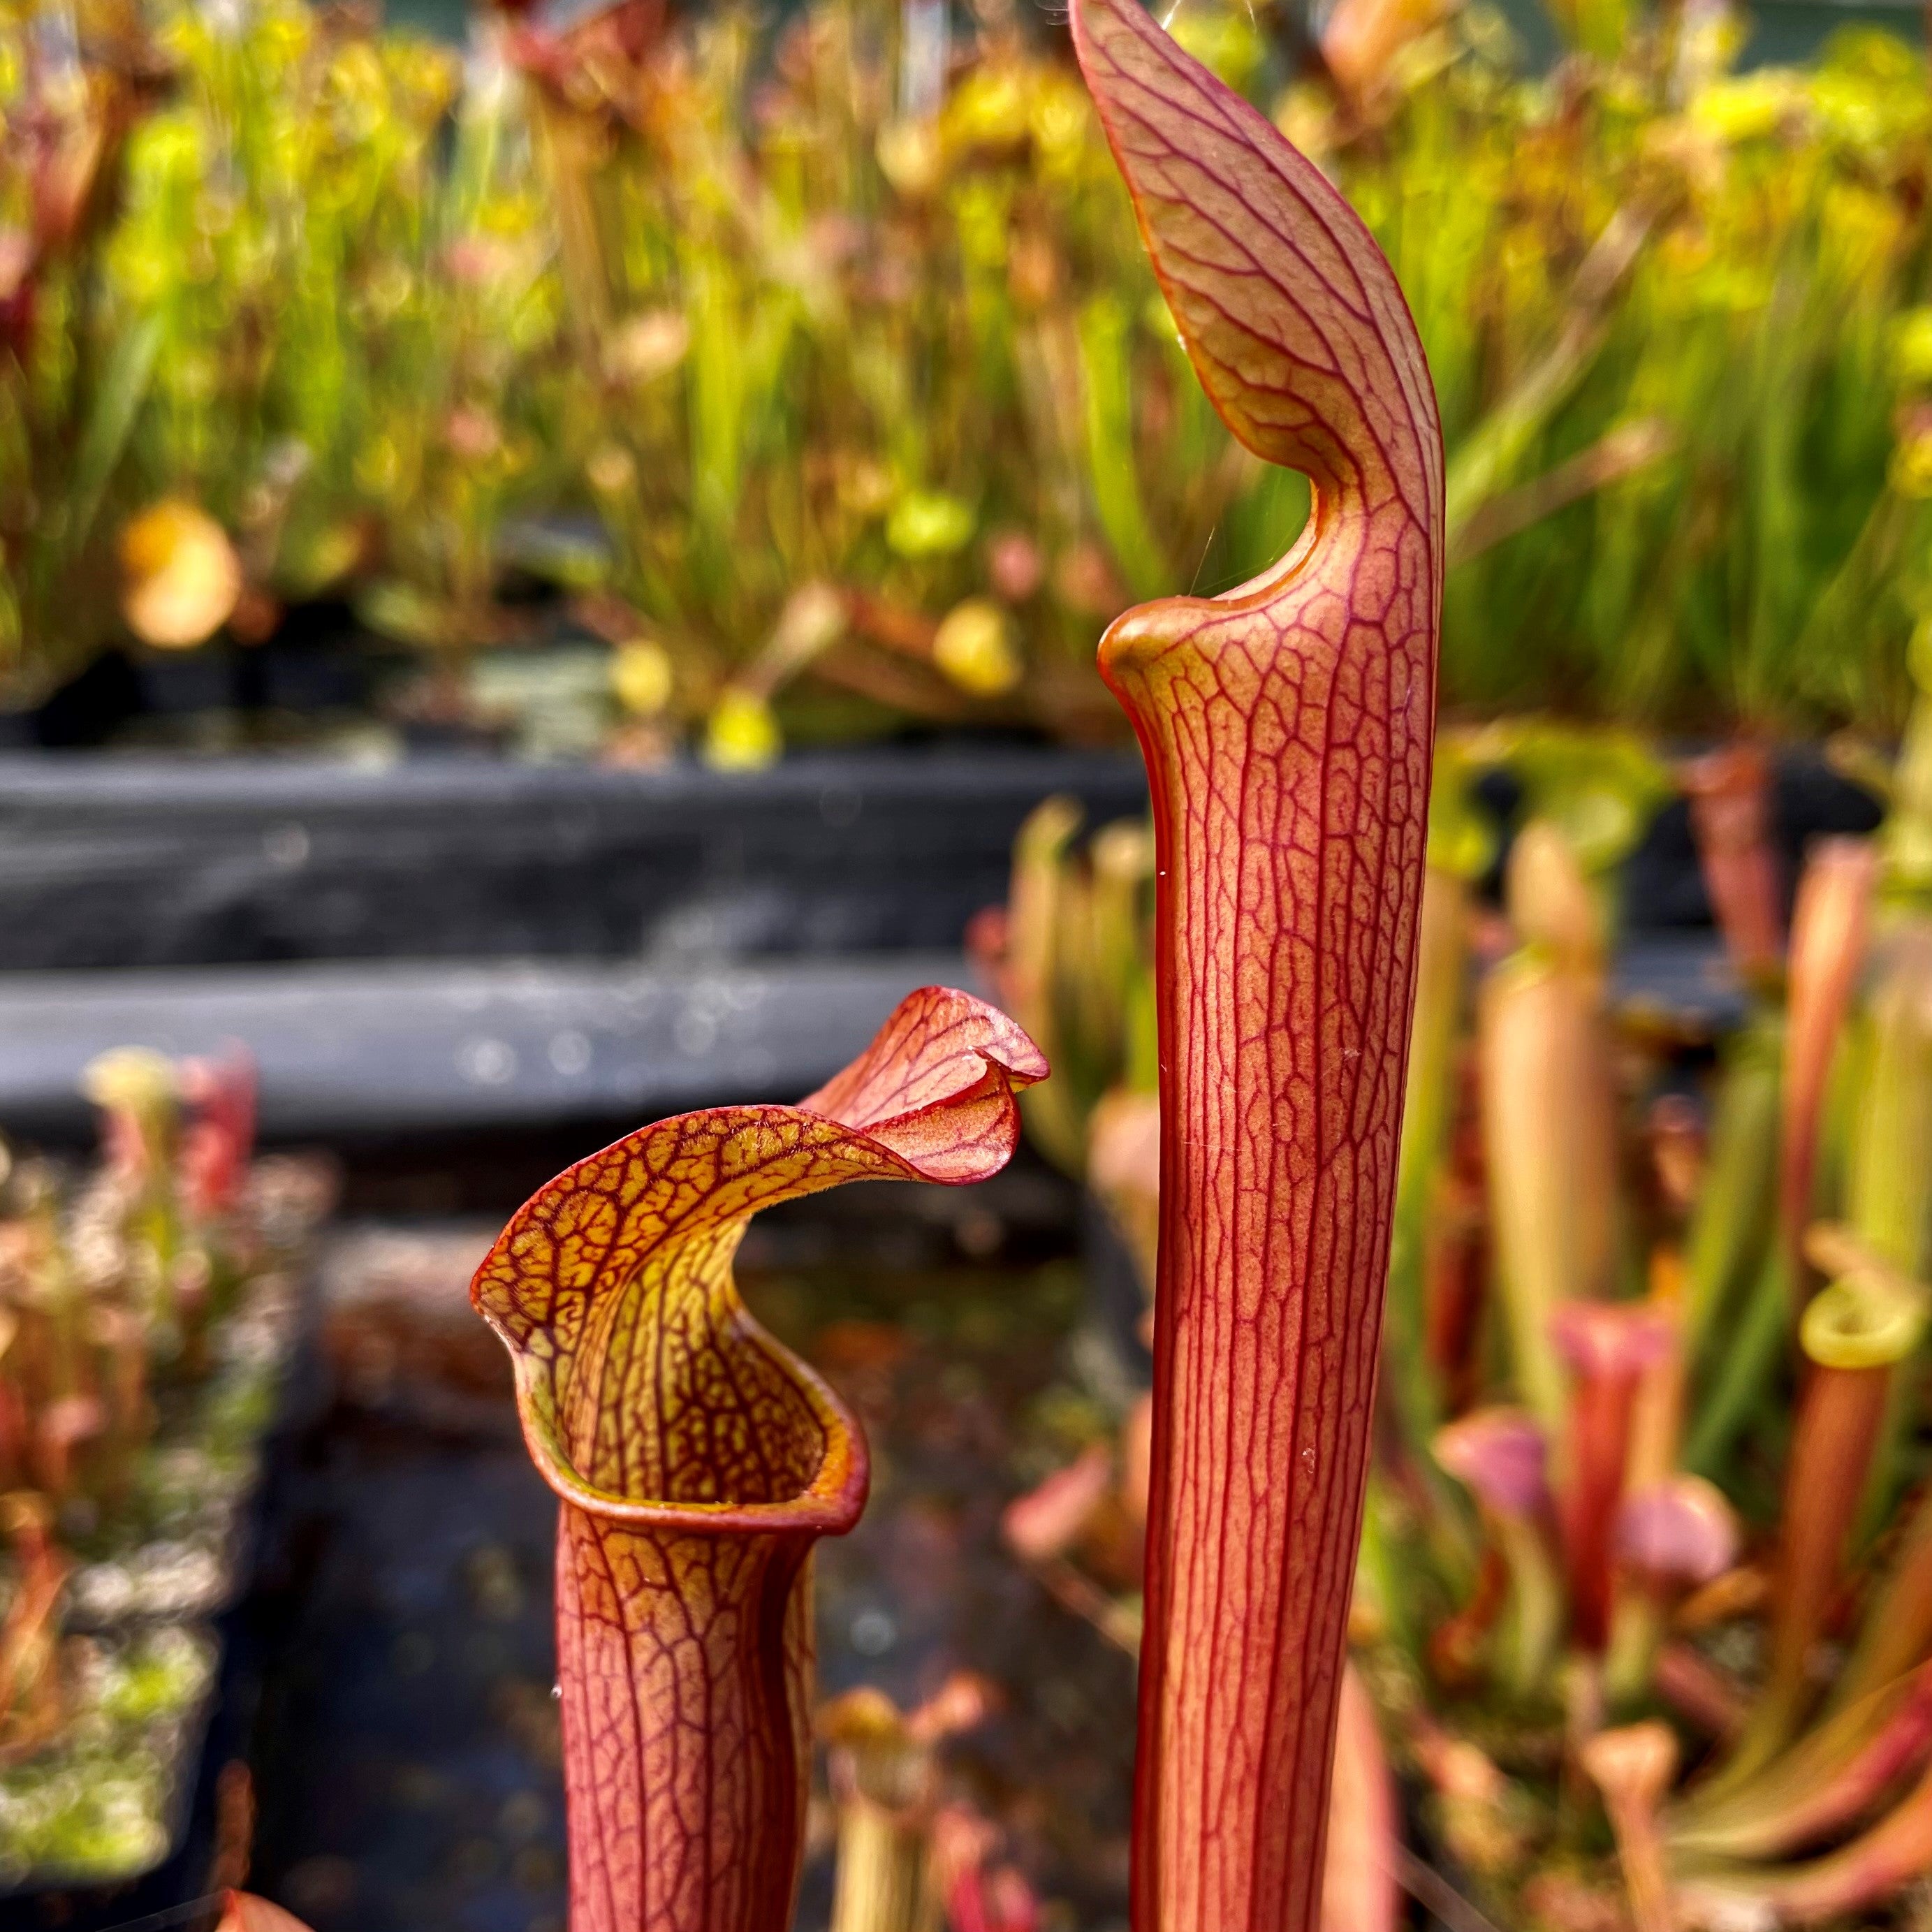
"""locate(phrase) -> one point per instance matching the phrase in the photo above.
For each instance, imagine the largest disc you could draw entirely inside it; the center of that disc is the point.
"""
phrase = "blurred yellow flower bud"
(646, 347)
(910, 156)
(988, 108)
(1229, 45)
(641, 675)
(1306, 114)
(312, 562)
(358, 87)
(1061, 117)
(742, 735)
(1912, 459)
(974, 648)
(130, 1079)
(1746, 108)
(181, 578)
(928, 523)
(1911, 348)
(610, 469)
(379, 466)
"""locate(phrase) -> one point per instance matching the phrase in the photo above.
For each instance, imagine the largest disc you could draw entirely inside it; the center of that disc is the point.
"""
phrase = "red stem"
(1286, 727)
(1829, 926)
(1609, 1345)
(1456, 1267)
(1730, 815)
(1840, 1414)
(1600, 1414)
(1850, 1882)
(713, 1638)
(1830, 1779)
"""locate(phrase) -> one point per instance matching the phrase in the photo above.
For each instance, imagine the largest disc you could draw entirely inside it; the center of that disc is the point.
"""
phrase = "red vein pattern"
(1287, 728)
(697, 1460)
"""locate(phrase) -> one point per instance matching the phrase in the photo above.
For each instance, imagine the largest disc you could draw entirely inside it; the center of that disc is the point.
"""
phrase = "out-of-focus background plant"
(808, 380)
(148, 1308)
(277, 283)
(330, 250)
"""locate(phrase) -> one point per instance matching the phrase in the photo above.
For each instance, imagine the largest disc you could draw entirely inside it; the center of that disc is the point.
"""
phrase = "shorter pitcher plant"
(697, 1461)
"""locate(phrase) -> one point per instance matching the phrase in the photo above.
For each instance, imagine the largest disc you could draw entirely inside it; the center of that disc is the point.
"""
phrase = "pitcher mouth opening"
(828, 1504)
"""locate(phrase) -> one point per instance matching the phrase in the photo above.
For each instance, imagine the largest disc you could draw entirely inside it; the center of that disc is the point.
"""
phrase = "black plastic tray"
(109, 862)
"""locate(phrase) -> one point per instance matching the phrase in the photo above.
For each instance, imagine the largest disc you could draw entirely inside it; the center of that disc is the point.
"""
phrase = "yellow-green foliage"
(351, 319)
(1766, 340)
(815, 311)
(825, 336)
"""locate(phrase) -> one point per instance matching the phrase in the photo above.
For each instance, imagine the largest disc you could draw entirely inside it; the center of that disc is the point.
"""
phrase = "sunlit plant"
(1696, 1588)
(332, 242)
(1287, 727)
(146, 1310)
(1640, 1585)
(823, 376)
(697, 1461)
